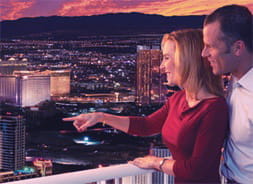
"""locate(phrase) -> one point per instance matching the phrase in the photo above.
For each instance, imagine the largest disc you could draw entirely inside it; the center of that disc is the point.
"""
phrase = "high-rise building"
(60, 82)
(28, 88)
(12, 142)
(149, 83)
(24, 89)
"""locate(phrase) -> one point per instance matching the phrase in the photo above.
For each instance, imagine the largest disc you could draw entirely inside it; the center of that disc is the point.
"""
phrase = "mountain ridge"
(106, 24)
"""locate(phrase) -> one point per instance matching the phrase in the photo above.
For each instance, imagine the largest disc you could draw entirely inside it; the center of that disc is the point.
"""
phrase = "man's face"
(217, 51)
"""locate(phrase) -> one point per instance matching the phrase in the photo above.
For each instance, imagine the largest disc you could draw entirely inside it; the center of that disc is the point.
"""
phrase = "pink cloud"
(10, 9)
(163, 7)
(91, 7)
(14, 9)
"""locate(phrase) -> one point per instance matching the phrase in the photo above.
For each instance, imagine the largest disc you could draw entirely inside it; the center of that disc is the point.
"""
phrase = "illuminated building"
(60, 82)
(44, 167)
(12, 142)
(8, 67)
(94, 85)
(24, 89)
(149, 85)
(9, 176)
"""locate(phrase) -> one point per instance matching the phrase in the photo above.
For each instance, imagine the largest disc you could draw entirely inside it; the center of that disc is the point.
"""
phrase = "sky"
(15, 9)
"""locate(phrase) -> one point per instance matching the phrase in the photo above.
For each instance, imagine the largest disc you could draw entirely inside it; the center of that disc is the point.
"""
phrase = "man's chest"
(241, 115)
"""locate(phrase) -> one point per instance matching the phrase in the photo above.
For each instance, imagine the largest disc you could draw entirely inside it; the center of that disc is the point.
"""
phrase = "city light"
(87, 141)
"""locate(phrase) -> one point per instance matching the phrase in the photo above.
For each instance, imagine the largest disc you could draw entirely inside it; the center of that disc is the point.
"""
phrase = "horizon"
(102, 15)
(16, 9)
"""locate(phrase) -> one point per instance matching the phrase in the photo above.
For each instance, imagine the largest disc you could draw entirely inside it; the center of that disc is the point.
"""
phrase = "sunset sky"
(14, 9)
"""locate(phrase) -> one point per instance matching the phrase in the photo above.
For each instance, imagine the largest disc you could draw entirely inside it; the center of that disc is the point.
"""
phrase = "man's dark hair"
(235, 22)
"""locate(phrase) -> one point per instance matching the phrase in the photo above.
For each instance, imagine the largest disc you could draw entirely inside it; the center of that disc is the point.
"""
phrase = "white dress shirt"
(238, 154)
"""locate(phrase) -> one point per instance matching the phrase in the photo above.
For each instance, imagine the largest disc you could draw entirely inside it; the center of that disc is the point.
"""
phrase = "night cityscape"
(47, 75)
(67, 78)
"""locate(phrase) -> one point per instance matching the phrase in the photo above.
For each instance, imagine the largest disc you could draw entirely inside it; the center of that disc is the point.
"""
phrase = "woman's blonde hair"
(193, 71)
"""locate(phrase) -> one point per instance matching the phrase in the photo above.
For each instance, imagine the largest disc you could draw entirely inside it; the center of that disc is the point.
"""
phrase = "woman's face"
(168, 62)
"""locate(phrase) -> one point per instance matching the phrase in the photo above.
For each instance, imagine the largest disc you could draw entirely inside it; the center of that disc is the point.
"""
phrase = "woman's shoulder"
(216, 99)
(176, 98)
(216, 102)
(178, 94)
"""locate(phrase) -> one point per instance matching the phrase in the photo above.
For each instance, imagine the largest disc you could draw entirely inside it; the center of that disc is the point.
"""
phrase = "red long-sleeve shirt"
(194, 135)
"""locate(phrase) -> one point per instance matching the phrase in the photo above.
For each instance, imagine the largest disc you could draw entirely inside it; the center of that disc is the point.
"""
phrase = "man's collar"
(246, 81)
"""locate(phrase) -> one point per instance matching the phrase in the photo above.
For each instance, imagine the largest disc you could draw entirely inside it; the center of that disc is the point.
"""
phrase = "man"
(228, 47)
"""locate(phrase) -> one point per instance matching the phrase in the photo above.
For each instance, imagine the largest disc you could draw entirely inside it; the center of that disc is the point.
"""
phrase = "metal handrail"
(88, 176)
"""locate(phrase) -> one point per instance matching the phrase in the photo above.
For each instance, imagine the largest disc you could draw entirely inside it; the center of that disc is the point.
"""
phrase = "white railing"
(88, 176)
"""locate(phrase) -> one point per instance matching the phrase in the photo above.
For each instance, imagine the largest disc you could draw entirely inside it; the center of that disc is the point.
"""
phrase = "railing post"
(116, 181)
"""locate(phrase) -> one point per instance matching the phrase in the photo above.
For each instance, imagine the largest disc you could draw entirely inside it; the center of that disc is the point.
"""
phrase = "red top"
(194, 135)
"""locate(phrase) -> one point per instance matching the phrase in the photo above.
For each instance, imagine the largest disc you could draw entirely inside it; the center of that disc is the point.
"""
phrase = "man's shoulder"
(246, 80)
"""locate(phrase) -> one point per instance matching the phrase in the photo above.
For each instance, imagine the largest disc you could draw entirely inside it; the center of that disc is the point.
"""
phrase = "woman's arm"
(152, 162)
(151, 124)
(137, 125)
(118, 122)
(83, 121)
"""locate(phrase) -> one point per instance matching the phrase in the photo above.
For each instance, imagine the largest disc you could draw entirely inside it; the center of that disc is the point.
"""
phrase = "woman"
(193, 122)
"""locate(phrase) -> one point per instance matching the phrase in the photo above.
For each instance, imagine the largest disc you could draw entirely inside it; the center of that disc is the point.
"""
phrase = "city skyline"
(15, 9)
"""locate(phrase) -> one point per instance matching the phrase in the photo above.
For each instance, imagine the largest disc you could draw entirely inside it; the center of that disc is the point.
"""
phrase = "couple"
(195, 121)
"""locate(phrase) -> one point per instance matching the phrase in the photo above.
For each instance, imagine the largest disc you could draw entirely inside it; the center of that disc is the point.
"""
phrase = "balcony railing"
(119, 173)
